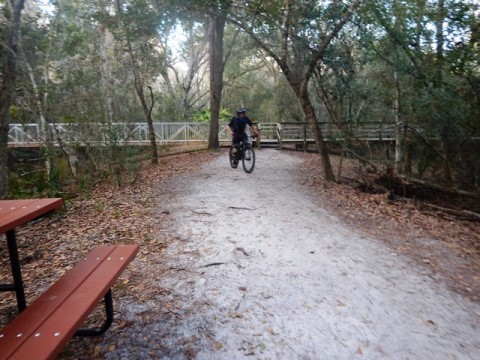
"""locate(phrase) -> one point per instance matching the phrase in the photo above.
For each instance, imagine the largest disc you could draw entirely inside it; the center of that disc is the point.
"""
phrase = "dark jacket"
(238, 125)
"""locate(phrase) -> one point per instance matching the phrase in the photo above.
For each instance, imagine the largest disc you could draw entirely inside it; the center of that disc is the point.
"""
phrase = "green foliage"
(15, 112)
(204, 116)
(28, 178)
(27, 185)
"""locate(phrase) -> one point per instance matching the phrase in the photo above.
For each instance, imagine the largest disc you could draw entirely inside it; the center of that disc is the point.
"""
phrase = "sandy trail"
(261, 270)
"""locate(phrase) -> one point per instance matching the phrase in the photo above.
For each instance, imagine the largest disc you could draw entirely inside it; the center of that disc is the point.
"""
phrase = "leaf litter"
(448, 246)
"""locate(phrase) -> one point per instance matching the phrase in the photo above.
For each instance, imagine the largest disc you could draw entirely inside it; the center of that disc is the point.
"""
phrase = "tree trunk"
(8, 88)
(311, 118)
(139, 85)
(106, 79)
(445, 133)
(148, 115)
(42, 121)
(151, 129)
(399, 126)
(396, 103)
(215, 30)
(439, 23)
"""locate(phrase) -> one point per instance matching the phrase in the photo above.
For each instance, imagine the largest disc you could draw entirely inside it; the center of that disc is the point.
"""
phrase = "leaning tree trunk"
(139, 89)
(146, 109)
(7, 89)
(215, 29)
(148, 115)
(311, 117)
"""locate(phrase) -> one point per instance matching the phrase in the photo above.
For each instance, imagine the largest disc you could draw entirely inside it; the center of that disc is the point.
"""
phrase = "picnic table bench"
(43, 328)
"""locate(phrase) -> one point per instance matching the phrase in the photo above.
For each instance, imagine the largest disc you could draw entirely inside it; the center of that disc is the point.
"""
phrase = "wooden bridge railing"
(29, 135)
(301, 132)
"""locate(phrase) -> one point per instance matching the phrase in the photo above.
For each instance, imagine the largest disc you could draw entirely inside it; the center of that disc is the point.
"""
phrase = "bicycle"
(244, 153)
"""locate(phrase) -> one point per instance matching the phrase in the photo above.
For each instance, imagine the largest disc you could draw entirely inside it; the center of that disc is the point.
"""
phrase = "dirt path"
(260, 270)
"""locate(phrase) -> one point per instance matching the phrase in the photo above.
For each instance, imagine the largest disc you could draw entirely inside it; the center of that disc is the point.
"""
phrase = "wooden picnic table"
(15, 213)
(44, 328)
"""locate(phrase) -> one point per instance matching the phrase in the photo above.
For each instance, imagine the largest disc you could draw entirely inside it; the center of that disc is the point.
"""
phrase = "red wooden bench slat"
(57, 330)
(25, 210)
(59, 312)
(6, 205)
(27, 322)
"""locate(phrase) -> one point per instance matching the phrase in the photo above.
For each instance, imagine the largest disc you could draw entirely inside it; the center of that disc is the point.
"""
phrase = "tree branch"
(286, 30)
(320, 52)
(283, 64)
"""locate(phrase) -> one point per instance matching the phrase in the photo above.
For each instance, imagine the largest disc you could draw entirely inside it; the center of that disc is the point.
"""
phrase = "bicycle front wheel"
(248, 159)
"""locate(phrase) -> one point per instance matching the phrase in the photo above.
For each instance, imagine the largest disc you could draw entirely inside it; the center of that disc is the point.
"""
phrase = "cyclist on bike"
(237, 126)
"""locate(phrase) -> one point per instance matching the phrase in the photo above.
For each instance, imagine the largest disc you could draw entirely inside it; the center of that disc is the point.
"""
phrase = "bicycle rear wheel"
(248, 158)
(233, 158)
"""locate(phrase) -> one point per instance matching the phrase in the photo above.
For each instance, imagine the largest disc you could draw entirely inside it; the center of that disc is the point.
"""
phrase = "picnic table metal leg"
(16, 272)
(108, 321)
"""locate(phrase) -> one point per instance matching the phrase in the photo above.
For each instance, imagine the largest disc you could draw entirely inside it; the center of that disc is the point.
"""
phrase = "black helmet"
(241, 111)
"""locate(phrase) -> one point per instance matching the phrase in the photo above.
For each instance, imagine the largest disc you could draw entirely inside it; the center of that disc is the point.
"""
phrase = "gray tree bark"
(215, 30)
(7, 89)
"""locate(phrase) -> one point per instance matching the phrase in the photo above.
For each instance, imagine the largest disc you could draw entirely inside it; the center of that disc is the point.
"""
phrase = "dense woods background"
(413, 63)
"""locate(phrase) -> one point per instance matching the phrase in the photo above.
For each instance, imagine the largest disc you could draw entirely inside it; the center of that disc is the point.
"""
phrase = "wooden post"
(259, 135)
(305, 137)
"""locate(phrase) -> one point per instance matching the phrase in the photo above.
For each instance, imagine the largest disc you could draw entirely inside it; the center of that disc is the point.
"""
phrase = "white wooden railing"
(121, 133)
(29, 135)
